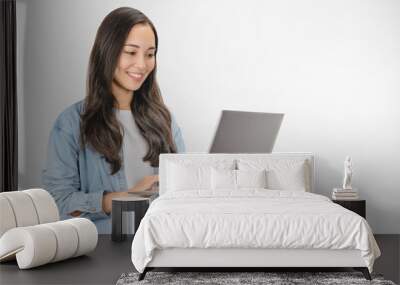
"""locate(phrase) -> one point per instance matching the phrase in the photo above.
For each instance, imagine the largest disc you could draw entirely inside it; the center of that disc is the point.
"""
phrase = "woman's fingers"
(150, 180)
(144, 184)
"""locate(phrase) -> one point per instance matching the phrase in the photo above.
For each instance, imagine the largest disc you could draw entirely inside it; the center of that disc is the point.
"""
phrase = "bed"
(247, 210)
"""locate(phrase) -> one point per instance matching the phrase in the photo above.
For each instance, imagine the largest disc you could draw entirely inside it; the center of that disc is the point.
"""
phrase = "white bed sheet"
(250, 218)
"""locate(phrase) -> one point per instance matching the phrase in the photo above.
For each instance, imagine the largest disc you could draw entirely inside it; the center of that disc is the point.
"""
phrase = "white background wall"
(332, 67)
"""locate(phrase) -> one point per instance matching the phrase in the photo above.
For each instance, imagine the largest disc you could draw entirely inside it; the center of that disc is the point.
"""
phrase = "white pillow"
(251, 178)
(282, 174)
(191, 174)
(223, 179)
(183, 177)
(289, 179)
(236, 179)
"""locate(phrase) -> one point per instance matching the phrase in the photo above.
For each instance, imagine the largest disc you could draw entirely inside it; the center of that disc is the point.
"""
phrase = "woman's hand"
(144, 184)
(76, 213)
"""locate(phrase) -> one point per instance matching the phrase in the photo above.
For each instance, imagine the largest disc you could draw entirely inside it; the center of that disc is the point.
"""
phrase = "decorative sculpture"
(348, 173)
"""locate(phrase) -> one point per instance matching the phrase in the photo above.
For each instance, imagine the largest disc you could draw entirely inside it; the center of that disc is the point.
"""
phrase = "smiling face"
(136, 61)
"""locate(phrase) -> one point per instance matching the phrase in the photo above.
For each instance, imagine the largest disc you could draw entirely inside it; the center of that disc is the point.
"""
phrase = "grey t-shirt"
(134, 149)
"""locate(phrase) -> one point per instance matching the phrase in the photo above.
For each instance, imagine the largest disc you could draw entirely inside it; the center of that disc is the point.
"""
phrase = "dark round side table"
(137, 204)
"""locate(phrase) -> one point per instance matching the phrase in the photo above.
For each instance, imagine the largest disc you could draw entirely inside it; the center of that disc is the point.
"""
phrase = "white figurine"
(348, 173)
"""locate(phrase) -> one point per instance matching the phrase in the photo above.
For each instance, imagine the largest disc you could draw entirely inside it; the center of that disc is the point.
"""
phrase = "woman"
(108, 144)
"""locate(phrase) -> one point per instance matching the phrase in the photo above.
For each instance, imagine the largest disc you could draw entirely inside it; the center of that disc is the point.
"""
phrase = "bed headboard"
(215, 158)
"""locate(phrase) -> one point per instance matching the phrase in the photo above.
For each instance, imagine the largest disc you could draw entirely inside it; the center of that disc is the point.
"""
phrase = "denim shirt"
(77, 178)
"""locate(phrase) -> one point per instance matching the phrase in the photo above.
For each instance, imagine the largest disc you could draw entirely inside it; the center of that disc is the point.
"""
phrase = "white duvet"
(250, 218)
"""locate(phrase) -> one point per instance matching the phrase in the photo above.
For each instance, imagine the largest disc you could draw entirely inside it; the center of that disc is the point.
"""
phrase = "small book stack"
(344, 194)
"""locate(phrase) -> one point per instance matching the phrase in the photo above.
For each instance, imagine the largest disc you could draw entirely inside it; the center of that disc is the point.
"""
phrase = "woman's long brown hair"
(99, 126)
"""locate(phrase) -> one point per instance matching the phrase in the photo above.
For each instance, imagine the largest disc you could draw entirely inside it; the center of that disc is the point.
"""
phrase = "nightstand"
(357, 206)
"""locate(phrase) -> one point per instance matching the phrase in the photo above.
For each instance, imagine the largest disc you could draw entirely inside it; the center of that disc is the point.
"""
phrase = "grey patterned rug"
(269, 278)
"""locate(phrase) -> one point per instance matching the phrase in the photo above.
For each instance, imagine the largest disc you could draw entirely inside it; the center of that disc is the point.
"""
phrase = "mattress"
(250, 219)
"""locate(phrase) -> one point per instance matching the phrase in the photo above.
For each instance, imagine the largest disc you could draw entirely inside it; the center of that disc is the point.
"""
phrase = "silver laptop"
(246, 132)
